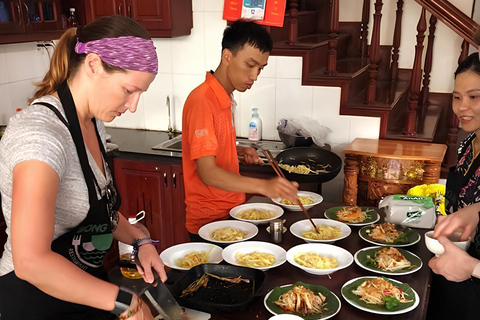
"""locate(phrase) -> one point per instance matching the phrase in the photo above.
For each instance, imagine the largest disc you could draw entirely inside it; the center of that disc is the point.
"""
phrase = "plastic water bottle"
(126, 250)
(72, 20)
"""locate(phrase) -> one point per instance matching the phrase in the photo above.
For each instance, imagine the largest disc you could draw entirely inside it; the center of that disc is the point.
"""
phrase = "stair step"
(427, 122)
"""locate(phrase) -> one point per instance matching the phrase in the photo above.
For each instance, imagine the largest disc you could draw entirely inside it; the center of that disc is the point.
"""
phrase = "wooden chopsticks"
(279, 173)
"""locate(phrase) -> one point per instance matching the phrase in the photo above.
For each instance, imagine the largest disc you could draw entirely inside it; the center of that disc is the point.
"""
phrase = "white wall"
(278, 92)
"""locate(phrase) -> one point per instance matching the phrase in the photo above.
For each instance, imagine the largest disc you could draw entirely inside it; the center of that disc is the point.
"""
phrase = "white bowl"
(302, 226)
(250, 229)
(170, 255)
(315, 197)
(437, 248)
(344, 258)
(280, 254)
(278, 212)
(285, 317)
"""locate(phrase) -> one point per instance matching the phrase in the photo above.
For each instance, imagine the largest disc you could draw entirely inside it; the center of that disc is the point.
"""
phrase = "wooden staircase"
(337, 54)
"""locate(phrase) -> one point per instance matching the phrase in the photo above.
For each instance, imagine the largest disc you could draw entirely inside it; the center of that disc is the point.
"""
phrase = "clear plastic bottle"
(125, 250)
(72, 20)
(255, 126)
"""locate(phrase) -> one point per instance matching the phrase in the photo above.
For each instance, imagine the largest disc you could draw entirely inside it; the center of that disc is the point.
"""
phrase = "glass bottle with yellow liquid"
(125, 250)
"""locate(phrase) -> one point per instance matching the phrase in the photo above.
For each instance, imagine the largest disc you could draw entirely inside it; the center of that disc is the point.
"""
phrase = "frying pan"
(316, 158)
(219, 296)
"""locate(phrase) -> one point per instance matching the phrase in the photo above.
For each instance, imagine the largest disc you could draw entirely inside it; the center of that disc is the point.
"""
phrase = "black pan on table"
(315, 158)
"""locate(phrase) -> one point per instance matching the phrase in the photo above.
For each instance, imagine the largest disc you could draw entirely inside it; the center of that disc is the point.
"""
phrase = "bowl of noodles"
(319, 258)
(255, 254)
(228, 231)
(328, 231)
(307, 198)
(188, 255)
(256, 213)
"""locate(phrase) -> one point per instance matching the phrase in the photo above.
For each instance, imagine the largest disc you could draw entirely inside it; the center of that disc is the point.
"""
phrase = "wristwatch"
(122, 302)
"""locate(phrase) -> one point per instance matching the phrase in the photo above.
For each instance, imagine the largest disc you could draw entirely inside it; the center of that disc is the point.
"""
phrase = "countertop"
(137, 144)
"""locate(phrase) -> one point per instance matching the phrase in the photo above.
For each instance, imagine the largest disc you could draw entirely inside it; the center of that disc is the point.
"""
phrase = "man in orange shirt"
(213, 184)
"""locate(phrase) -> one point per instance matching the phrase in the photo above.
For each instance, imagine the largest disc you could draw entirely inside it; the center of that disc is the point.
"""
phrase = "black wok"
(316, 158)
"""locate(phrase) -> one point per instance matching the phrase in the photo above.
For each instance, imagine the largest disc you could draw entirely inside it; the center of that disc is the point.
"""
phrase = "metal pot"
(316, 158)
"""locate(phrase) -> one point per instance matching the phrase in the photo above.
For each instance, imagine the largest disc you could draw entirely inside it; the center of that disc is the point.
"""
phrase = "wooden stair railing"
(332, 41)
(374, 54)
(415, 82)
(428, 60)
(364, 28)
(293, 19)
(397, 36)
(455, 19)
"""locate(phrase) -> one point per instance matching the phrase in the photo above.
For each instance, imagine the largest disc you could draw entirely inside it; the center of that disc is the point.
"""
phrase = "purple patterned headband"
(132, 53)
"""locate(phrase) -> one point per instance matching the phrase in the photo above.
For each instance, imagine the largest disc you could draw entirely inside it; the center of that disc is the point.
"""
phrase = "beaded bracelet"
(140, 242)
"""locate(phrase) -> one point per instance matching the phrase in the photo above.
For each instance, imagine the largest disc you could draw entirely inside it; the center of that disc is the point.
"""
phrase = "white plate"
(323, 316)
(172, 254)
(302, 226)
(413, 258)
(344, 258)
(259, 206)
(229, 252)
(356, 305)
(315, 197)
(250, 229)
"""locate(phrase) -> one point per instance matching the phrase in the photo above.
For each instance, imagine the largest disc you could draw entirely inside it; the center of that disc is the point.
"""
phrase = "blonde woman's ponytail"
(61, 65)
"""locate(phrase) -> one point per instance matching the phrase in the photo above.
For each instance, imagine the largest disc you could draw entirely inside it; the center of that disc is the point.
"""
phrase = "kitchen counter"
(137, 144)
(288, 274)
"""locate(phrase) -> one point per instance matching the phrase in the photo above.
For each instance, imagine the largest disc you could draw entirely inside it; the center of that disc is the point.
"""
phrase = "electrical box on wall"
(265, 12)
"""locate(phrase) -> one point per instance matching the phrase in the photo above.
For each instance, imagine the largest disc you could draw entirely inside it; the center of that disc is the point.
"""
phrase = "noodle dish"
(228, 231)
(257, 213)
(307, 198)
(187, 255)
(255, 254)
(328, 231)
(319, 258)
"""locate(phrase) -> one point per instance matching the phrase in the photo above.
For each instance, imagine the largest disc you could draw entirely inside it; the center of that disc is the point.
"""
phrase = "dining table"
(286, 273)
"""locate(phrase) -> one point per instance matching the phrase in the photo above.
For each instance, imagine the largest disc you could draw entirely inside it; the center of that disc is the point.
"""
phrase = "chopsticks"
(279, 173)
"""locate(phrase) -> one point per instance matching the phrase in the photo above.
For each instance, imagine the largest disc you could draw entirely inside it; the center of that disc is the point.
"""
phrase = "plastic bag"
(305, 127)
(435, 191)
(409, 211)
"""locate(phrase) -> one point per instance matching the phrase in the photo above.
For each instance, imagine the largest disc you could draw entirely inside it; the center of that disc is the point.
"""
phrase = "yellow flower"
(435, 191)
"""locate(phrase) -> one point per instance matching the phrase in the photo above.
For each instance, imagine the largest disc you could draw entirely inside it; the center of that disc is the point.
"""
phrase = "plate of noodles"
(380, 295)
(256, 213)
(255, 254)
(317, 302)
(388, 260)
(319, 258)
(353, 215)
(307, 198)
(389, 234)
(328, 231)
(228, 231)
(188, 255)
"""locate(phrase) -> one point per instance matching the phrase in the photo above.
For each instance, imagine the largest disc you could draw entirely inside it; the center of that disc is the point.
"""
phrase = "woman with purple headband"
(58, 194)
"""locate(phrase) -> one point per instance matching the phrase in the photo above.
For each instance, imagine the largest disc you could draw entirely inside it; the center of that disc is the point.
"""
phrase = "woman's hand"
(465, 219)
(454, 264)
(248, 156)
(137, 310)
(149, 258)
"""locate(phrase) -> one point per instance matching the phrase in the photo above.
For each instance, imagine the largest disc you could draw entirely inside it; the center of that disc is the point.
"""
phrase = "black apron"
(456, 300)
(85, 245)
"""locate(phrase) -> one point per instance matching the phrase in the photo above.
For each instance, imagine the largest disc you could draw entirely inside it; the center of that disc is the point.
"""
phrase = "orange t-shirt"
(208, 130)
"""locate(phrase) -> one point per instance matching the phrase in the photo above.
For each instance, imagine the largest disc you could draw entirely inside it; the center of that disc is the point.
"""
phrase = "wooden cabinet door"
(95, 9)
(178, 205)
(152, 14)
(42, 15)
(143, 186)
(11, 17)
